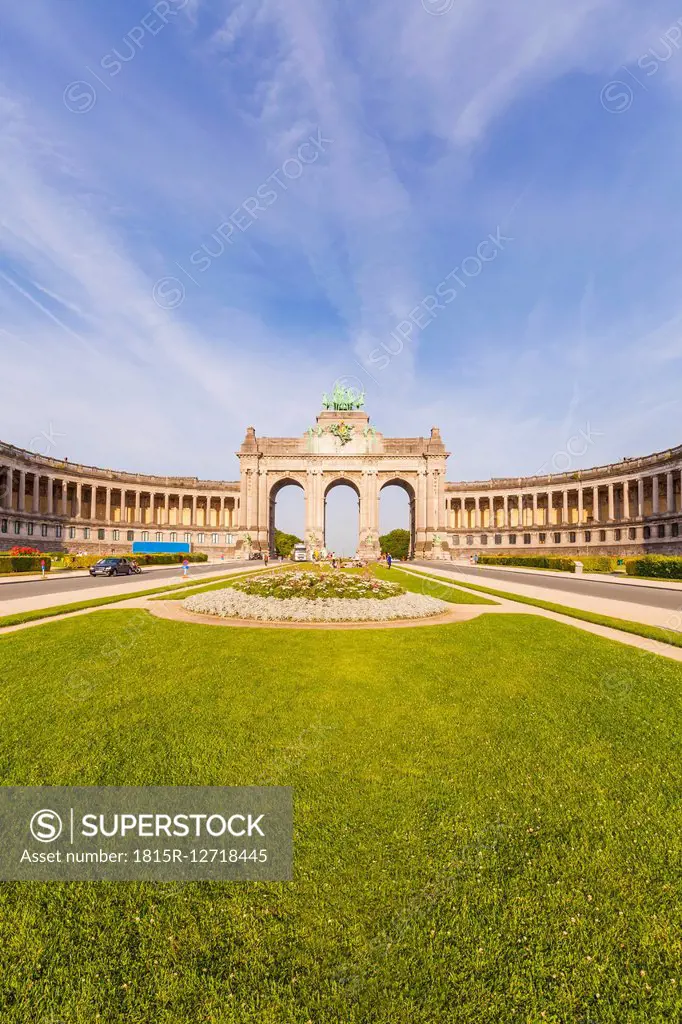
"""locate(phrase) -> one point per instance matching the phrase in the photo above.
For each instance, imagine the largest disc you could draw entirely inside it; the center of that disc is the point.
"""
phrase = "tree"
(396, 543)
(284, 543)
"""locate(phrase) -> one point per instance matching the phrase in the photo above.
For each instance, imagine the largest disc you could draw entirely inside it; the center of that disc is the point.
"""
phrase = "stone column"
(640, 497)
(564, 506)
(581, 510)
(21, 505)
(611, 515)
(5, 490)
(655, 496)
(263, 508)
(107, 504)
(137, 508)
(50, 496)
(670, 500)
(595, 504)
(626, 499)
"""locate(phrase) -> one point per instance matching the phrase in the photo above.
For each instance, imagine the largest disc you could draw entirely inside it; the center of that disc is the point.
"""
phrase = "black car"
(255, 555)
(111, 567)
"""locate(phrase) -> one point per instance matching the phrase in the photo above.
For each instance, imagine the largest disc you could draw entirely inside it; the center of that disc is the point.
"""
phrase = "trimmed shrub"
(598, 563)
(665, 567)
(23, 563)
(532, 561)
(67, 561)
(166, 558)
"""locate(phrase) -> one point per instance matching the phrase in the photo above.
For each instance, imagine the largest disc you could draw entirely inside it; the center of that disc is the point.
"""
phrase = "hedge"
(598, 563)
(23, 563)
(533, 561)
(169, 558)
(666, 567)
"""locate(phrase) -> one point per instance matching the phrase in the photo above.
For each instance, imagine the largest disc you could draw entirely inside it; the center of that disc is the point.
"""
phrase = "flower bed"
(231, 603)
(306, 584)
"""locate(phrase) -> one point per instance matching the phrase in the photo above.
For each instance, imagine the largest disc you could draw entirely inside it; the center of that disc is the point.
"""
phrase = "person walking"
(388, 560)
(42, 567)
(185, 567)
(266, 558)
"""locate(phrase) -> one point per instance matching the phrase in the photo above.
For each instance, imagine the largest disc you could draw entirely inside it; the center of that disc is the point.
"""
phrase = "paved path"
(653, 605)
(24, 597)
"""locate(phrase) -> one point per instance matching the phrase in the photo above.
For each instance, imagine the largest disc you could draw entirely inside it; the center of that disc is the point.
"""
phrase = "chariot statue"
(343, 399)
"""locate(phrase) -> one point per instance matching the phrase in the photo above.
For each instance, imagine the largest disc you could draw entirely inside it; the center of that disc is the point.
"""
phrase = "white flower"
(231, 603)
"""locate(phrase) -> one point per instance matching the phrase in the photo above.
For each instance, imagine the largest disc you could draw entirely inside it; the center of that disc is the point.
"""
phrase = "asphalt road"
(651, 596)
(64, 583)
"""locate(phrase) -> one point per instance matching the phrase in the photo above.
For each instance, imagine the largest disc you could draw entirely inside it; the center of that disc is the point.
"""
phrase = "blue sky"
(355, 158)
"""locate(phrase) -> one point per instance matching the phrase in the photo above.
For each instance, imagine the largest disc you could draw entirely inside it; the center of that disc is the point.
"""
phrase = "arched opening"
(397, 510)
(341, 517)
(287, 512)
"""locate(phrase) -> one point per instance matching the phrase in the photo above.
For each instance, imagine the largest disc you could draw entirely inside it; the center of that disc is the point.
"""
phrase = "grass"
(18, 618)
(425, 586)
(405, 581)
(664, 636)
(487, 824)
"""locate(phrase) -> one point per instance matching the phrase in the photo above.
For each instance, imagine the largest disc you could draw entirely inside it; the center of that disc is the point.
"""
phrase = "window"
(214, 538)
(159, 538)
(571, 538)
(100, 535)
(130, 535)
(557, 538)
(602, 536)
(3, 526)
(72, 532)
(512, 538)
(647, 532)
(86, 533)
(617, 534)
(188, 538)
(484, 538)
(29, 529)
(229, 539)
(526, 538)
(43, 530)
(17, 526)
(498, 538)
(470, 540)
(661, 530)
(588, 536)
(632, 533)
(116, 534)
(675, 530)
(174, 538)
(200, 538)
(58, 531)
(542, 537)
(145, 535)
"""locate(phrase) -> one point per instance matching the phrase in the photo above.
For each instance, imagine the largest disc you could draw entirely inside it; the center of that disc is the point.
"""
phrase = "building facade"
(628, 507)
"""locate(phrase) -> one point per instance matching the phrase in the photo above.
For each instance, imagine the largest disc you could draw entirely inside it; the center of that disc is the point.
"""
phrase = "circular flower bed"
(310, 585)
(231, 603)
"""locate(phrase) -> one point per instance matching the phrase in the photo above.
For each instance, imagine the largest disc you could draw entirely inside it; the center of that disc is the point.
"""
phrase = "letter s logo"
(46, 826)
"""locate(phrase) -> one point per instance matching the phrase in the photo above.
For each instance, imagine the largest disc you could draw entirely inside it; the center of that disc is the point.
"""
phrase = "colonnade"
(576, 505)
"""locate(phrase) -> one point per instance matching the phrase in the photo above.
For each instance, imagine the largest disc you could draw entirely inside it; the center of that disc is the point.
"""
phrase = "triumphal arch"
(343, 448)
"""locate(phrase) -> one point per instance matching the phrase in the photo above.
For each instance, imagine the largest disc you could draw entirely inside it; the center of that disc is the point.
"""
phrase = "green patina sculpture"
(343, 399)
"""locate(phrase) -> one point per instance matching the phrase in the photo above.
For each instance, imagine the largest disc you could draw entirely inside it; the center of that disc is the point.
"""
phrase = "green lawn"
(487, 824)
(420, 585)
(658, 633)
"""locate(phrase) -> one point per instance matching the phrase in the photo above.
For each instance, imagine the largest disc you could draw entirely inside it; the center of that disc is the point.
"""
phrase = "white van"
(299, 553)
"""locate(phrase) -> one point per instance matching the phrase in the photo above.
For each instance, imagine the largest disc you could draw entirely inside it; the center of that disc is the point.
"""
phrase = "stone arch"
(340, 481)
(286, 480)
(398, 481)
